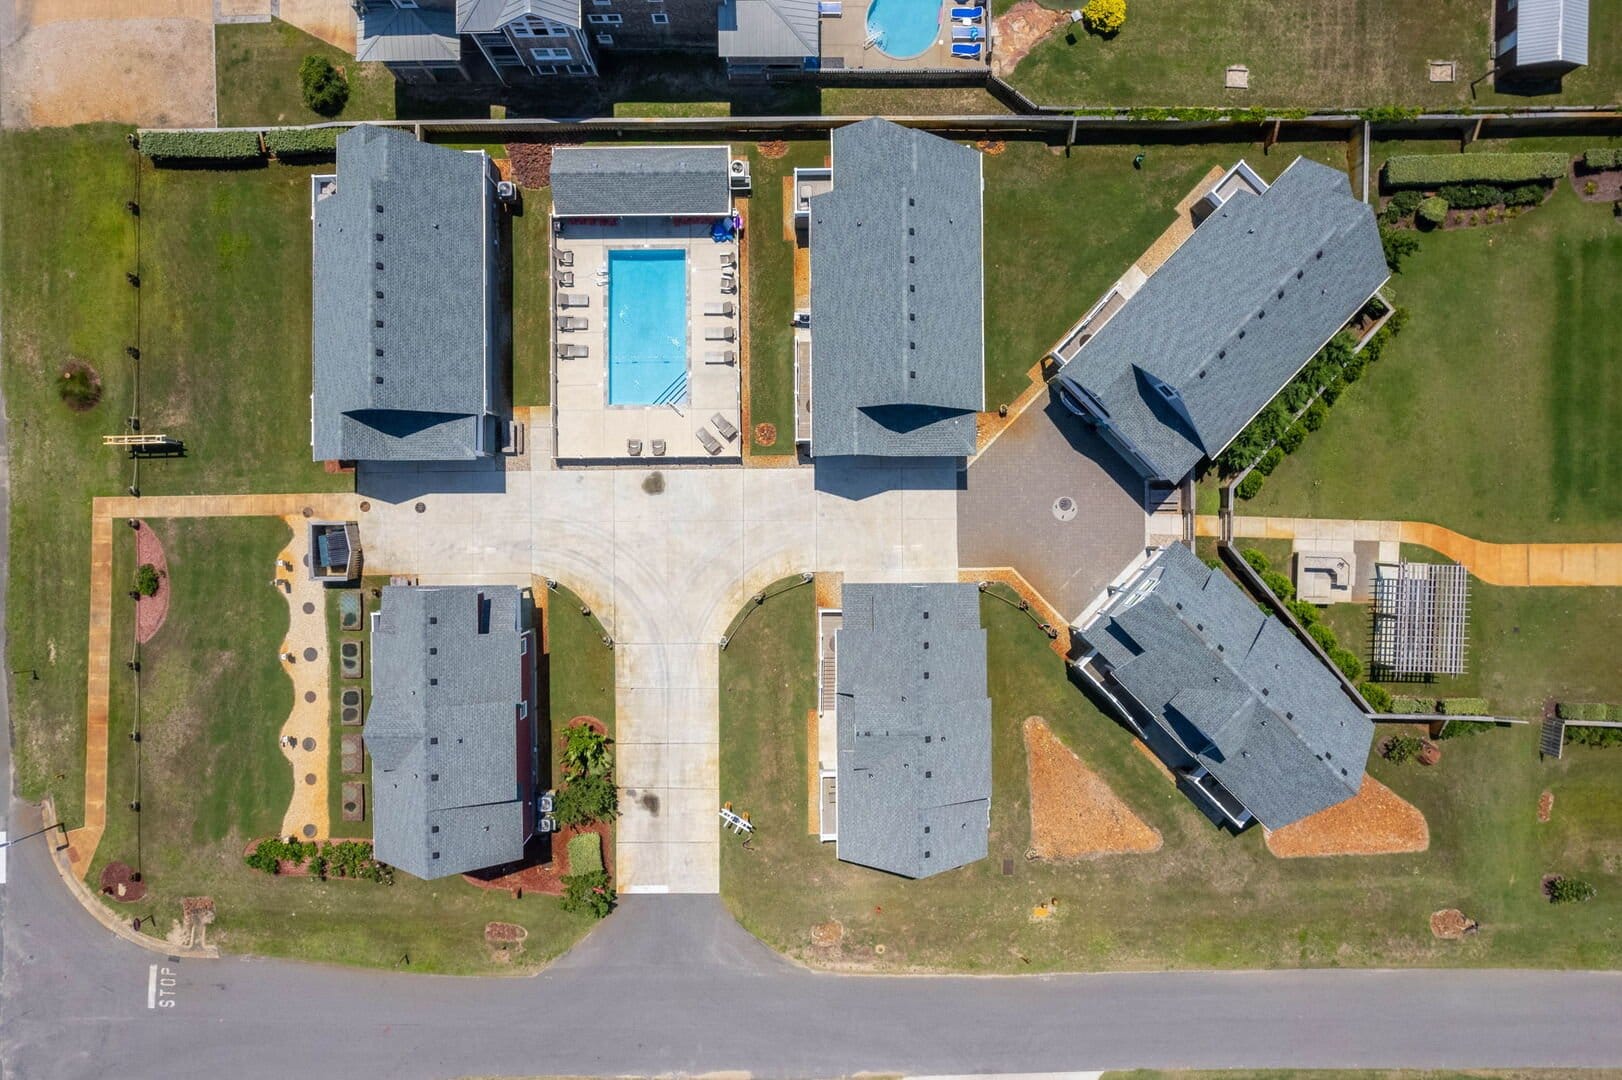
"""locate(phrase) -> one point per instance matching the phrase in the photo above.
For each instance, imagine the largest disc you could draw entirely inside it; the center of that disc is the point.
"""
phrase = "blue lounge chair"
(966, 52)
(968, 33)
(973, 14)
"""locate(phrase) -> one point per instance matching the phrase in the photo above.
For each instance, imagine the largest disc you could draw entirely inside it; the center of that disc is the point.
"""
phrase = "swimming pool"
(905, 28)
(647, 326)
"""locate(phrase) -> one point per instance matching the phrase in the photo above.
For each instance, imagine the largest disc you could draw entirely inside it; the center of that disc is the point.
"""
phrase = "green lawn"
(1320, 54)
(1207, 899)
(256, 72)
(532, 299)
(1494, 411)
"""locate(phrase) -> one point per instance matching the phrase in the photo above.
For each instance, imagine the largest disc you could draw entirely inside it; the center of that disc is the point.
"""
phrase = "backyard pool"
(904, 28)
(647, 326)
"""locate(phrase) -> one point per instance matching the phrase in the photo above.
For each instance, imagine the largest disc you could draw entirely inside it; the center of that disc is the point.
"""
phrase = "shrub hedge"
(1249, 486)
(1587, 710)
(1462, 706)
(301, 144)
(1279, 584)
(201, 145)
(1607, 158)
(1432, 211)
(1324, 636)
(1377, 696)
(1434, 170)
(1594, 736)
(1348, 662)
(1258, 562)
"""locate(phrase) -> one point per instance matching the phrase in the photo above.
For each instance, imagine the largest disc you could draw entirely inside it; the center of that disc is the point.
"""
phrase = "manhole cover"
(420, 507)
(309, 608)
(310, 654)
(309, 744)
(1064, 508)
(308, 512)
(309, 778)
(309, 832)
(365, 506)
(309, 695)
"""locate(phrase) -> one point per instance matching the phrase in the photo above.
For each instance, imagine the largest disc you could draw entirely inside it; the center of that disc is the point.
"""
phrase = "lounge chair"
(726, 356)
(572, 352)
(971, 14)
(571, 299)
(565, 258)
(573, 322)
(729, 258)
(966, 52)
(708, 441)
(968, 33)
(720, 333)
(658, 448)
(565, 279)
(721, 424)
(729, 282)
(633, 447)
(725, 309)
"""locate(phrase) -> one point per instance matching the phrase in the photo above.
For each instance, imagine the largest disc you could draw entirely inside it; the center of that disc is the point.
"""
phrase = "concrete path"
(1597, 564)
(83, 841)
(308, 723)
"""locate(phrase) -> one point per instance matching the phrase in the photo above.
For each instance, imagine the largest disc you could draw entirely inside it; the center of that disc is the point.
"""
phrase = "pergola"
(1421, 619)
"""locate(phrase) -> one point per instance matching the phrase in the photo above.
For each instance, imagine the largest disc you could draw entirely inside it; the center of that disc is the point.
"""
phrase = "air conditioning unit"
(546, 825)
(739, 175)
(506, 191)
(544, 803)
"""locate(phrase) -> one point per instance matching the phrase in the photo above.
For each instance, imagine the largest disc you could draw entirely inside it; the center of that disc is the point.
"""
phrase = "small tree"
(1398, 245)
(146, 580)
(585, 751)
(1569, 890)
(1104, 17)
(324, 87)
(1401, 748)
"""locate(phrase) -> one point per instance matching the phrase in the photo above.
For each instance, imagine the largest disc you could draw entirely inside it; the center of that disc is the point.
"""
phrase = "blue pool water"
(647, 326)
(905, 27)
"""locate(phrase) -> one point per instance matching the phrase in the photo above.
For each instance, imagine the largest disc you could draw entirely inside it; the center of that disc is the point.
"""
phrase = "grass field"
(532, 300)
(1494, 411)
(1316, 55)
(256, 72)
(1207, 899)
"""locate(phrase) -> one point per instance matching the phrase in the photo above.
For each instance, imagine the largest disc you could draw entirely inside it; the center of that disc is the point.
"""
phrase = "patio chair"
(565, 258)
(633, 447)
(565, 279)
(658, 448)
(968, 33)
(573, 352)
(721, 424)
(725, 309)
(968, 14)
(966, 52)
(729, 282)
(573, 322)
(729, 259)
(571, 299)
(720, 333)
(726, 356)
(708, 441)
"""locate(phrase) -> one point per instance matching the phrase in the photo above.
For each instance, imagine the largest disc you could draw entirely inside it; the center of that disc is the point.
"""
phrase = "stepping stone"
(1443, 71)
(1237, 77)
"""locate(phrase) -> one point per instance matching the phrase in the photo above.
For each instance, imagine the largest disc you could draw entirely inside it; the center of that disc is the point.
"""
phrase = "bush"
(1314, 417)
(1345, 659)
(1432, 211)
(1609, 158)
(1471, 196)
(1402, 205)
(1412, 705)
(1378, 697)
(1270, 461)
(585, 752)
(325, 90)
(1462, 706)
(1250, 486)
(1584, 710)
(1401, 748)
(1279, 585)
(1291, 440)
(588, 893)
(268, 855)
(1305, 613)
(146, 580)
(1258, 562)
(585, 799)
(302, 144)
(1434, 170)
(1569, 890)
(586, 854)
(1594, 736)
(167, 146)
(1105, 17)
(1398, 245)
(1325, 637)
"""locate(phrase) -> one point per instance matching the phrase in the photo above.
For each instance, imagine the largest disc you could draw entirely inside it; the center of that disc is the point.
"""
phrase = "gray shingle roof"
(1212, 323)
(403, 35)
(1551, 32)
(483, 16)
(405, 375)
(897, 322)
(1236, 689)
(648, 180)
(446, 775)
(768, 29)
(914, 723)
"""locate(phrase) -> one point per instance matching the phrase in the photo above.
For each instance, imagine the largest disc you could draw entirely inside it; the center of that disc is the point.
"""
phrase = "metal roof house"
(897, 296)
(914, 728)
(418, 42)
(405, 303)
(756, 35)
(1243, 714)
(1540, 36)
(451, 728)
(641, 181)
(1264, 282)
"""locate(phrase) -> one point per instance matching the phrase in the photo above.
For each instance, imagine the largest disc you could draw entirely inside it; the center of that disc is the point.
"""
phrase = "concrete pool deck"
(845, 46)
(588, 427)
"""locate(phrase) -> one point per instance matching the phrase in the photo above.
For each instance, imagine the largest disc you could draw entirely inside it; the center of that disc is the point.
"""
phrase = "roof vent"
(1320, 253)
(1299, 274)
(377, 352)
(379, 294)
(378, 378)
(379, 208)
(434, 777)
(433, 682)
(1281, 294)
(379, 237)
(377, 266)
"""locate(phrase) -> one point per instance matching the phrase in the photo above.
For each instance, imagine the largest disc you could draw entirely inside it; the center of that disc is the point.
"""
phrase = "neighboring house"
(1268, 277)
(1540, 37)
(641, 181)
(452, 728)
(757, 36)
(914, 770)
(897, 308)
(405, 302)
(520, 38)
(1237, 707)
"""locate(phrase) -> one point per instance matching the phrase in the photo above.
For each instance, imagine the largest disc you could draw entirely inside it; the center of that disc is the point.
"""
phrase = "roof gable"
(641, 180)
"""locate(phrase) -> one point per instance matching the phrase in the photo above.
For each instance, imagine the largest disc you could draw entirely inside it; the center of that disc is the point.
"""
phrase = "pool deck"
(845, 48)
(588, 428)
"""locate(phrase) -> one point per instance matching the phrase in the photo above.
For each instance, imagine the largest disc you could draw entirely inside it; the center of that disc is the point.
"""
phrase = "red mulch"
(773, 149)
(766, 434)
(150, 611)
(531, 162)
(285, 868)
(118, 881)
(544, 866)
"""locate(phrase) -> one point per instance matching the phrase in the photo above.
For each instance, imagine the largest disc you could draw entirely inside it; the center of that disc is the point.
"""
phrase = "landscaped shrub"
(1432, 211)
(1105, 17)
(1278, 584)
(1398, 245)
(585, 751)
(1402, 206)
(221, 146)
(1607, 158)
(1462, 706)
(1305, 612)
(585, 799)
(1412, 705)
(1270, 461)
(79, 387)
(302, 144)
(1525, 195)
(1348, 662)
(1378, 697)
(325, 89)
(348, 858)
(146, 580)
(1250, 486)
(1325, 637)
(1314, 417)
(586, 854)
(1594, 736)
(1471, 196)
(1401, 748)
(1568, 890)
(1291, 440)
(588, 893)
(1434, 170)
(1584, 710)
(1332, 390)
(1258, 562)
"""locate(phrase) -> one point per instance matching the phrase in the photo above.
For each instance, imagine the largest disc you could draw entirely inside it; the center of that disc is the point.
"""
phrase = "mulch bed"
(284, 868)
(765, 434)
(1376, 821)
(118, 881)
(1074, 814)
(532, 162)
(1607, 183)
(772, 149)
(544, 866)
(1546, 806)
(150, 611)
(1451, 924)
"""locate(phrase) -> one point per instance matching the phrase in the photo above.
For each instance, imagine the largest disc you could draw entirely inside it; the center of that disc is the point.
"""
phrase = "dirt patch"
(827, 935)
(1376, 821)
(151, 611)
(532, 162)
(772, 149)
(1546, 806)
(1074, 814)
(79, 386)
(1451, 924)
(1018, 30)
(765, 434)
(118, 882)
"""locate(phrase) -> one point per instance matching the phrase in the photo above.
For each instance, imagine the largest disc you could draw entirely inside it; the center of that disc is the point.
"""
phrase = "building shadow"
(857, 478)
(402, 481)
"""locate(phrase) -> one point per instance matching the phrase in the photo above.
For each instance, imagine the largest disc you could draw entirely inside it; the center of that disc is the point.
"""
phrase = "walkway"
(1598, 564)
(310, 669)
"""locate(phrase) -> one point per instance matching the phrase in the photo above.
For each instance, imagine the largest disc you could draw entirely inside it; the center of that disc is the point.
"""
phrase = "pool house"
(647, 320)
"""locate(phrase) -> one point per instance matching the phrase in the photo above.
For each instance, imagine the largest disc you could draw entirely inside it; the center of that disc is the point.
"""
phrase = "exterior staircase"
(1552, 740)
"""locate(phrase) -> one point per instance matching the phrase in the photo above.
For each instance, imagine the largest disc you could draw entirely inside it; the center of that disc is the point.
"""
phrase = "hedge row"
(201, 145)
(1610, 158)
(301, 143)
(1306, 614)
(1462, 706)
(1587, 710)
(1434, 170)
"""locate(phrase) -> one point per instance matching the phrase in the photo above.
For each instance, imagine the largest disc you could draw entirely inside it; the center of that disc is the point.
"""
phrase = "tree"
(585, 799)
(146, 580)
(325, 89)
(1104, 17)
(588, 892)
(585, 751)
(1398, 245)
